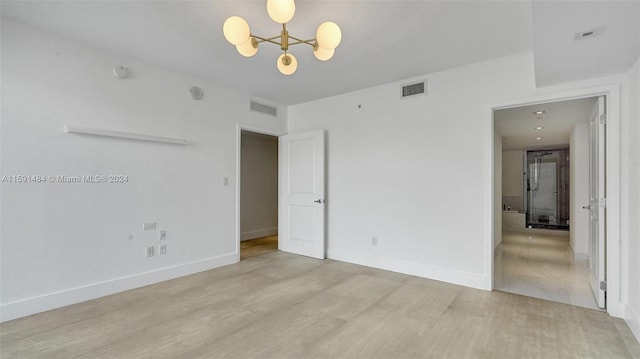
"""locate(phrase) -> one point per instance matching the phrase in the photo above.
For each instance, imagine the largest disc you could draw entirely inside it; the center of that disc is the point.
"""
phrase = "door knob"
(586, 207)
(318, 201)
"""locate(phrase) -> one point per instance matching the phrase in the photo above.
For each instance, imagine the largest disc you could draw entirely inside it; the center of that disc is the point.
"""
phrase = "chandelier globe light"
(281, 11)
(287, 64)
(328, 35)
(248, 48)
(323, 54)
(237, 32)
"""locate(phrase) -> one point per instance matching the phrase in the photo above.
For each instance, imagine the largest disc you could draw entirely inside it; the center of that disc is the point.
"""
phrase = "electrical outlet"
(162, 235)
(149, 226)
(150, 251)
(374, 241)
(162, 249)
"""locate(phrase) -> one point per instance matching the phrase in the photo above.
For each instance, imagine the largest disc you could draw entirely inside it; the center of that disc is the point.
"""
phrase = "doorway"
(258, 186)
(543, 246)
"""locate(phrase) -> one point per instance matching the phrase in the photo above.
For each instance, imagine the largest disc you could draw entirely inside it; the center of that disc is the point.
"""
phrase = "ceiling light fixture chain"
(328, 36)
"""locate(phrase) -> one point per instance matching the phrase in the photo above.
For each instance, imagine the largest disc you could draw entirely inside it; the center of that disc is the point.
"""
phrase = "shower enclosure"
(547, 189)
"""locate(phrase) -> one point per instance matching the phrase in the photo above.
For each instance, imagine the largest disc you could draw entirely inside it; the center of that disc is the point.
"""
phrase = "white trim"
(258, 233)
(633, 321)
(33, 305)
(261, 130)
(615, 305)
(121, 134)
(417, 269)
(489, 217)
(239, 129)
(580, 256)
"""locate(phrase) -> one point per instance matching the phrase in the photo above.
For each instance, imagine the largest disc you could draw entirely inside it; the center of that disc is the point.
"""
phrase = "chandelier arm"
(262, 39)
(311, 42)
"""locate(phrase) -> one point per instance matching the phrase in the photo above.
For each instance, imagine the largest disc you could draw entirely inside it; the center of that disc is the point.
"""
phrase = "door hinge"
(603, 285)
(603, 119)
(603, 202)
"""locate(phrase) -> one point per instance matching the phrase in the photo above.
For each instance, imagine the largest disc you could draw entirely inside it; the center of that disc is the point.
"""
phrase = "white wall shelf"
(121, 134)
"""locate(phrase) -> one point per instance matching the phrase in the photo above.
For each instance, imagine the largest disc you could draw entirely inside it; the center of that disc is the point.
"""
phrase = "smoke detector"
(196, 93)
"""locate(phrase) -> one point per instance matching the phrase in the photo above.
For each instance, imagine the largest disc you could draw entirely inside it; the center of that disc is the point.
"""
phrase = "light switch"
(225, 181)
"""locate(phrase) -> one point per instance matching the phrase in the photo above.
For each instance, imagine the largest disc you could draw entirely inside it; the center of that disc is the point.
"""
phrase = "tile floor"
(542, 265)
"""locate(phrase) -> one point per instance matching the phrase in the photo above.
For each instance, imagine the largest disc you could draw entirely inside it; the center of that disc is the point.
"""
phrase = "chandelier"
(328, 35)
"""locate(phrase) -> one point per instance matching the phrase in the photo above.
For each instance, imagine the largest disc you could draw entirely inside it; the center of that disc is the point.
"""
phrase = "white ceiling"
(560, 58)
(383, 41)
(518, 125)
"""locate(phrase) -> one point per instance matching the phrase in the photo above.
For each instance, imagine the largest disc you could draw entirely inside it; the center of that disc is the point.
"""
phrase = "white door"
(597, 202)
(301, 177)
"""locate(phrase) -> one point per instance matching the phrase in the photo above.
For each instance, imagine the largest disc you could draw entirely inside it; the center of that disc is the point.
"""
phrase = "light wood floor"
(280, 305)
(258, 247)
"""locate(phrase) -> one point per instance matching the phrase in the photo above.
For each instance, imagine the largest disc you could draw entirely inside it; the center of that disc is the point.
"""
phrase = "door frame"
(615, 305)
(239, 129)
(596, 184)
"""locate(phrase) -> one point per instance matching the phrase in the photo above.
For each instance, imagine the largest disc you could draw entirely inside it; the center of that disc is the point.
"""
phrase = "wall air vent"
(588, 34)
(416, 89)
(269, 110)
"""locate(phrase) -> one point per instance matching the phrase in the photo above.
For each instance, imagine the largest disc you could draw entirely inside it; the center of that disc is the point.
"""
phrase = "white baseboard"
(580, 255)
(25, 307)
(244, 236)
(416, 269)
(633, 321)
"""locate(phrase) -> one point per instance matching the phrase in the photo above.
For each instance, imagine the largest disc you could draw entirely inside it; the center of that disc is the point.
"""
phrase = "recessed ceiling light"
(589, 33)
(539, 128)
(538, 138)
(539, 112)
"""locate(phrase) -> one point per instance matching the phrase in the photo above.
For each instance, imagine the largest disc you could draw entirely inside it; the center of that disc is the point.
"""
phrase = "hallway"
(542, 265)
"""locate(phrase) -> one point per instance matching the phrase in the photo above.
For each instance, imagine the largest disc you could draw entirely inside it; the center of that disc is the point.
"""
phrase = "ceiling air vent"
(416, 89)
(269, 110)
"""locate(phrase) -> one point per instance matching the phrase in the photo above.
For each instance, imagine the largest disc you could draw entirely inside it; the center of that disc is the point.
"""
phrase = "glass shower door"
(547, 189)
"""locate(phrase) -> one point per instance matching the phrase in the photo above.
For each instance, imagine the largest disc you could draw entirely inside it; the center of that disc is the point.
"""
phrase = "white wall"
(259, 185)
(411, 171)
(498, 188)
(63, 243)
(631, 202)
(512, 179)
(512, 173)
(579, 189)
(414, 172)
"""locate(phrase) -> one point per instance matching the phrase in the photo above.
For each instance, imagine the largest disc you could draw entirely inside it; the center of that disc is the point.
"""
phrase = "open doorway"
(543, 173)
(258, 194)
